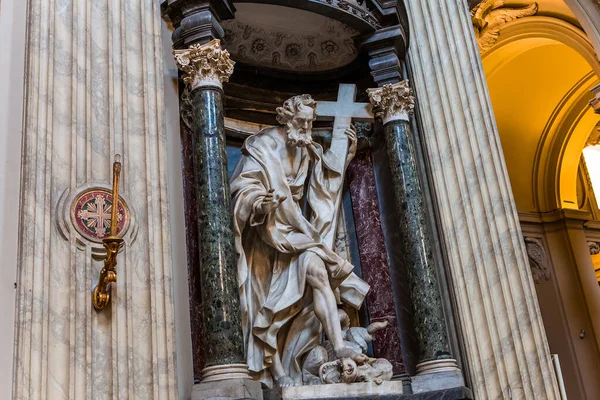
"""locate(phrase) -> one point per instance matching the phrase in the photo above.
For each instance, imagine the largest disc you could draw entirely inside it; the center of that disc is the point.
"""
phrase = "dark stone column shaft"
(428, 315)
(223, 340)
(191, 229)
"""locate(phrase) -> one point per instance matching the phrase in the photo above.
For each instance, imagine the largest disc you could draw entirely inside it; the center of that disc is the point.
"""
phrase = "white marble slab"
(335, 391)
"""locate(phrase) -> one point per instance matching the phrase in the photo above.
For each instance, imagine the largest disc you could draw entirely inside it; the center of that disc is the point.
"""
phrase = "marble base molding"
(437, 375)
(429, 367)
(223, 372)
(230, 389)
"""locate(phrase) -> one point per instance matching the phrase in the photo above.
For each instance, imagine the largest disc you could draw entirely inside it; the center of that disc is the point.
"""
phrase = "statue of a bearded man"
(290, 279)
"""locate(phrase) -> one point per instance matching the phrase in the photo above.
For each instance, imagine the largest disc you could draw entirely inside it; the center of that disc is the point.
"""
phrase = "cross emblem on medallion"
(96, 215)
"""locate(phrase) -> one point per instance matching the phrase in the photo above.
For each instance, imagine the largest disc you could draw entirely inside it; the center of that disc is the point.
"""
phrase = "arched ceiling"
(539, 76)
(550, 8)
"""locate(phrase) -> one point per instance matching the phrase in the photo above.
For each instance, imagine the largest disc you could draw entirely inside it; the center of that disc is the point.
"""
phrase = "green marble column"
(395, 103)
(206, 67)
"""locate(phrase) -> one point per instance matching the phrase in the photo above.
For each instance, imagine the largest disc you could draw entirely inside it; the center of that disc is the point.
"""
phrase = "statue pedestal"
(369, 391)
(361, 390)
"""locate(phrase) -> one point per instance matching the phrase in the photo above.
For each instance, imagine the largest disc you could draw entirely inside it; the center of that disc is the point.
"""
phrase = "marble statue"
(286, 191)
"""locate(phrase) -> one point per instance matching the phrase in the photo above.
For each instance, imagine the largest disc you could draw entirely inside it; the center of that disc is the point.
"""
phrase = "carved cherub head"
(349, 370)
(298, 114)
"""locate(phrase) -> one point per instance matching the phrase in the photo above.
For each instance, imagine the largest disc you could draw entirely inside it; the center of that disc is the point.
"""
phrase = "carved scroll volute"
(538, 260)
(490, 16)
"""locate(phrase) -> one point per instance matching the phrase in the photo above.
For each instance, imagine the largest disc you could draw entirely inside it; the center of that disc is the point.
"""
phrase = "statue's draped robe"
(276, 301)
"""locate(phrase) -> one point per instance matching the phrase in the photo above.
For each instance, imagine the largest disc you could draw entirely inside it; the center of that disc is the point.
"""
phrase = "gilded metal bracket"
(108, 274)
(113, 244)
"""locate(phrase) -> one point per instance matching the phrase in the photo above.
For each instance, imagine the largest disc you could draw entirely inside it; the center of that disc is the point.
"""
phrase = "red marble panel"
(193, 257)
(373, 259)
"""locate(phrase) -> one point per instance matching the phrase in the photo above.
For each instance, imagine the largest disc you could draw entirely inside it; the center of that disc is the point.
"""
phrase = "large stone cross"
(342, 112)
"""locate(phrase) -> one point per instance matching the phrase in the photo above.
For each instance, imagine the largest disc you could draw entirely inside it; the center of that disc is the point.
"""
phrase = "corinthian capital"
(393, 101)
(204, 65)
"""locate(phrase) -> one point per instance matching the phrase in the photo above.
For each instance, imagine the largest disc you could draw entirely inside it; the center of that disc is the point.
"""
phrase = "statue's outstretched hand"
(270, 202)
(352, 137)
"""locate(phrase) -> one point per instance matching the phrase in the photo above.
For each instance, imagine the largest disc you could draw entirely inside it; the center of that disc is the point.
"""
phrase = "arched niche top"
(561, 146)
(355, 14)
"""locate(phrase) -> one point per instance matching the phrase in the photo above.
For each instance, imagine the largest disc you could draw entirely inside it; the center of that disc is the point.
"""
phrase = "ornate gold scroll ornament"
(112, 243)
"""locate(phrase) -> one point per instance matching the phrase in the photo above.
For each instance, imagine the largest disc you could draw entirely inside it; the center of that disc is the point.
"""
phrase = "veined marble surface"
(506, 346)
(374, 263)
(94, 88)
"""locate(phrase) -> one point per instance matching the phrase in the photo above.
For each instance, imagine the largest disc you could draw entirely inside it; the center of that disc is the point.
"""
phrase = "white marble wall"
(94, 87)
(181, 298)
(12, 47)
(500, 321)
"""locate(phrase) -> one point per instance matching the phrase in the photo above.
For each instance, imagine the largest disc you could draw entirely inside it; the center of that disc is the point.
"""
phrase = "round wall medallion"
(91, 214)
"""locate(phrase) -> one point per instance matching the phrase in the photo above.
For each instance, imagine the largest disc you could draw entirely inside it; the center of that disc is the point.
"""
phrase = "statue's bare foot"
(285, 381)
(346, 352)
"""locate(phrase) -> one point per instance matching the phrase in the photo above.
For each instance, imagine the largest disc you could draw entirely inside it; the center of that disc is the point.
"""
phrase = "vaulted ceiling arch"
(540, 72)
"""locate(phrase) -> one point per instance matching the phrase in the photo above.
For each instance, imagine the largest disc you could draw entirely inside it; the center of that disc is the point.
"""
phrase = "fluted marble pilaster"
(506, 346)
(94, 87)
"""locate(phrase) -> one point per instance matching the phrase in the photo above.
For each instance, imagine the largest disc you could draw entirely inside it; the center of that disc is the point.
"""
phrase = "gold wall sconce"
(113, 244)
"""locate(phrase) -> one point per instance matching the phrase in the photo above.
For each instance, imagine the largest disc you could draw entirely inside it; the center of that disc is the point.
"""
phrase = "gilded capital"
(204, 64)
(393, 101)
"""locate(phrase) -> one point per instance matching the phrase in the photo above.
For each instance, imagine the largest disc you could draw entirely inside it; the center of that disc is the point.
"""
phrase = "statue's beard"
(298, 137)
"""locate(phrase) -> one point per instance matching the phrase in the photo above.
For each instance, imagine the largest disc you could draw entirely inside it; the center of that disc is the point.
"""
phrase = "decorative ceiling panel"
(288, 39)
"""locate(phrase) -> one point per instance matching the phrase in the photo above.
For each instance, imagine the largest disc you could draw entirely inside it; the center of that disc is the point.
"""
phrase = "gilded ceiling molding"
(595, 102)
(511, 43)
(204, 65)
(594, 138)
(393, 101)
(490, 16)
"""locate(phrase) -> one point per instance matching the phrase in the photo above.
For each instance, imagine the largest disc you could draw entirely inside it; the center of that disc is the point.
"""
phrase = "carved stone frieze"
(393, 101)
(204, 65)
(594, 248)
(329, 47)
(538, 260)
(358, 8)
(490, 16)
